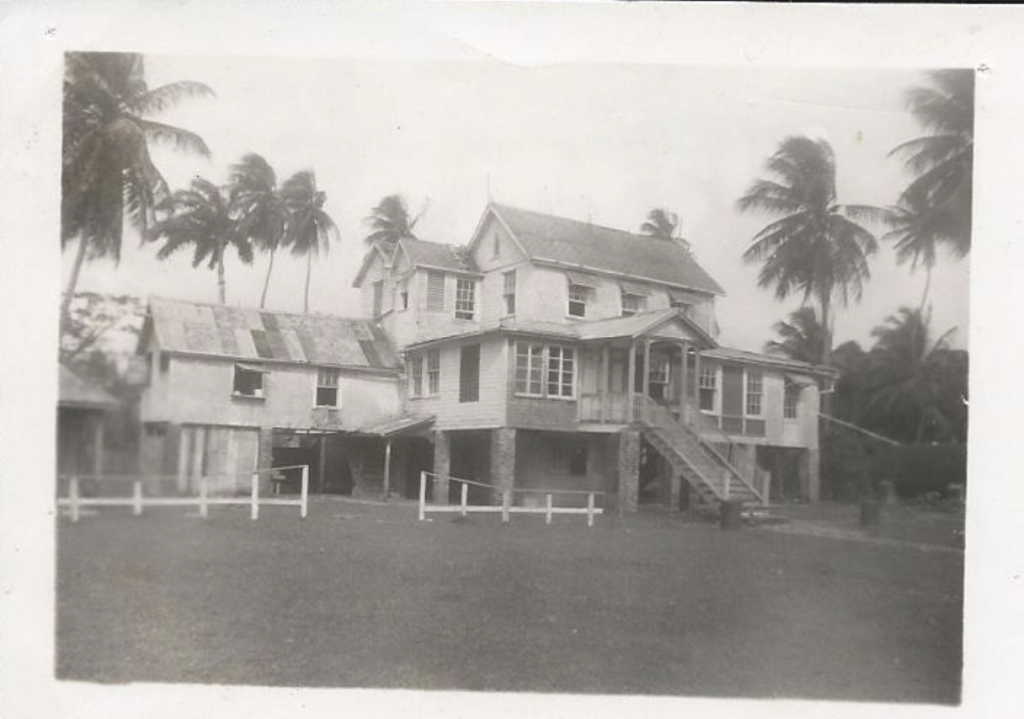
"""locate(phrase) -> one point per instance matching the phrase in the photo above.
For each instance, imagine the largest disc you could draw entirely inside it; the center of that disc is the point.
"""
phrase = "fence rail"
(506, 508)
(74, 502)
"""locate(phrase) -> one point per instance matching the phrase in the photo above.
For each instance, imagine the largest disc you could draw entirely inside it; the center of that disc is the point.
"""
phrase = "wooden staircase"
(707, 471)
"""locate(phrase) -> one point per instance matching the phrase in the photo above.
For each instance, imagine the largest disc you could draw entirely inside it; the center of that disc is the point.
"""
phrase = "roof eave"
(561, 264)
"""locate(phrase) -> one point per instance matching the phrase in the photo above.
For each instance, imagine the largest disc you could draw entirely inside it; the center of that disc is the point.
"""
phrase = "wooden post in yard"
(73, 496)
(304, 497)
(590, 509)
(547, 518)
(506, 500)
(254, 511)
(465, 497)
(423, 495)
(387, 468)
(204, 507)
(137, 497)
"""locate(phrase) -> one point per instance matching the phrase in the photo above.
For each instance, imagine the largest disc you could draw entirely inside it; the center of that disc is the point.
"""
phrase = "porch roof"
(398, 425)
(641, 324)
(75, 392)
(796, 367)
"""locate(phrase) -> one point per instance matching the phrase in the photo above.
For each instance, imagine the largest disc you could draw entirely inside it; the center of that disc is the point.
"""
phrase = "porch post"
(647, 368)
(696, 390)
(321, 470)
(683, 389)
(97, 441)
(631, 381)
(387, 468)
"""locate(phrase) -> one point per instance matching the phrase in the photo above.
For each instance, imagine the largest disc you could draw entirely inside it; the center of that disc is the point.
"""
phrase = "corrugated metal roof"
(398, 425)
(728, 353)
(246, 333)
(77, 392)
(602, 248)
(434, 254)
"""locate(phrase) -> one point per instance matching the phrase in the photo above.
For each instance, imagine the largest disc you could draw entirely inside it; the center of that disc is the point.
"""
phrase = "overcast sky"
(604, 143)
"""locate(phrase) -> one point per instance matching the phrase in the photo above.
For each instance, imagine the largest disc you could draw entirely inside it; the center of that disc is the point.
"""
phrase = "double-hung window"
(755, 384)
(510, 291)
(578, 295)
(530, 369)
(327, 381)
(465, 299)
(433, 372)
(632, 304)
(417, 376)
(561, 371)
(708, 384)
(790, 400)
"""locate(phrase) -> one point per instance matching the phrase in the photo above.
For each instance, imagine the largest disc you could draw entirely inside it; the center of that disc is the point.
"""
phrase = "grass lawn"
(361, 595)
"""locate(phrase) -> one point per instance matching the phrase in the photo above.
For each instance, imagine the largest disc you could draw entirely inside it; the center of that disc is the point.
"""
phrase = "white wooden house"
(552, 353)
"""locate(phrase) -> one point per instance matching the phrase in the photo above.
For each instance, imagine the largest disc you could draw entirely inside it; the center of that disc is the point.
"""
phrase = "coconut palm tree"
(800, 338)
(310, 228)
(942, 162)
(916, 384)
(201, 218)
(663, 224)
(389, 222)
(914, 233)
(107, 171)
(816, 246)
(261, 212)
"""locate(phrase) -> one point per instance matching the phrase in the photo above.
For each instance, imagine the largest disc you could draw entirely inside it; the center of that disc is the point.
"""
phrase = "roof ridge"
(585, 223)
(289, 313)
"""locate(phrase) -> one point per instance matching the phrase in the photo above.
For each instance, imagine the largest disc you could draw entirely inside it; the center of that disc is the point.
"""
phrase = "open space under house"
(546, 354)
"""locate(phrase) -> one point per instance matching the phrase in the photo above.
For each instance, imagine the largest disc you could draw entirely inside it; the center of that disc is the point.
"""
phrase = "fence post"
(506, 500)
(255, 496)
(423, 495)
(137, 498)
(204, 509)
(73, 496)
(304, 503)
(465, 497)
(590, 509)
(547, 518)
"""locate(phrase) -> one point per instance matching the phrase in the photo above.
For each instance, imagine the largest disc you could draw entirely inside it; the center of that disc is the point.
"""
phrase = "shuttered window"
(435, 291)
(469, 373)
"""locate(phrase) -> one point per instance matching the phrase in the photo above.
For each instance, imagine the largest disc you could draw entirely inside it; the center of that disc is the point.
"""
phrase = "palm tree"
(942, 163)
(200, 218)
(389, 222)
(310, 229)
(800, 338)
(815, 247)
(107, 171)
(914, 234)
(916, 384)
(260, 209)
(663, 225)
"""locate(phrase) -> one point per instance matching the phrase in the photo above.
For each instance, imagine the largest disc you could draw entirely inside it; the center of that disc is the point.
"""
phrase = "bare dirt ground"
(360, 595)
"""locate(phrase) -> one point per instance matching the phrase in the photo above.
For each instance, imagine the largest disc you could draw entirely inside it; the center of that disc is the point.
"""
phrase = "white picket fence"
(506, 508)
(75, 502)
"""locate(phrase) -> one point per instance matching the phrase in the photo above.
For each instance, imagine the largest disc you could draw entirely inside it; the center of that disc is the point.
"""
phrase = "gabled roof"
(575, 244)
(420, 253)
(78, 393)
(640, 324)
(252, 334)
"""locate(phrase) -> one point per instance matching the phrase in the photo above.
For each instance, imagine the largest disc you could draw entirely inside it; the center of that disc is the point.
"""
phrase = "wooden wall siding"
(732, 390)
(417, 323)
(488, 411)
(226, 455)
(199, 391)
(492, 287)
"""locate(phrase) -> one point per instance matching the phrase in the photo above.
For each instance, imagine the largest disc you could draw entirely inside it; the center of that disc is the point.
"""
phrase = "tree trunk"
(221, 289)
(266, 282)
(69, 292)
(826, 350)
(927, 286)
(309, 271)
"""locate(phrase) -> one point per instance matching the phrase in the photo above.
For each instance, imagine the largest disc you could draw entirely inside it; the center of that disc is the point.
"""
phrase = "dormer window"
(634, 298)
(465, 299)
(681, 300)
(581, 287)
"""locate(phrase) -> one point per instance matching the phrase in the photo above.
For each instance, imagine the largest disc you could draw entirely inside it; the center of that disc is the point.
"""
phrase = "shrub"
(920, 469)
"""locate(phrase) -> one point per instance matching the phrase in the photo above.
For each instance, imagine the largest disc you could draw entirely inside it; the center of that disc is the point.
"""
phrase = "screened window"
(435, 291)
(790, 400)
(631, 304)
(433, 371)
(755, 382)
(561, 371)
(417, 376)
(578, 295)
(708, 384)
(465, 299)
(530, 368)
(248, 381)
(510, 292)
(327, 387)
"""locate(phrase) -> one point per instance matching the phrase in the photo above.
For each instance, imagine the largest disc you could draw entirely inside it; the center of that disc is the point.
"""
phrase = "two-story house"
(231, 390)
(551, 353)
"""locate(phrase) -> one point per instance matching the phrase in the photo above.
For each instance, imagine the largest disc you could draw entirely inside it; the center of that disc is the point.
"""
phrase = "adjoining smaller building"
(81, 411)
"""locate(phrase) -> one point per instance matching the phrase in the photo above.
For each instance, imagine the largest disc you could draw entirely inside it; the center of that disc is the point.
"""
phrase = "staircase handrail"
(651, 409)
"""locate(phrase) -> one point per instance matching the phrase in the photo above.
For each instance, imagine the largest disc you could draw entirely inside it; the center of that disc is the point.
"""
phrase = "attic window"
(249, 381)
(497, 244)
